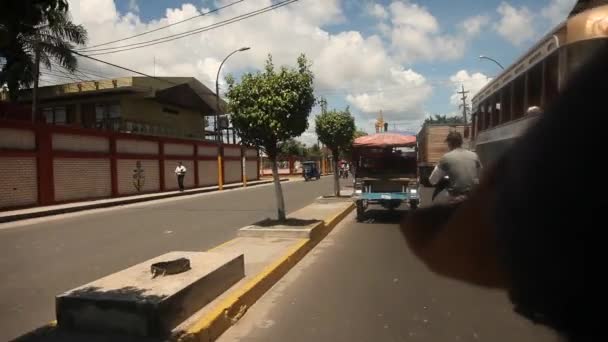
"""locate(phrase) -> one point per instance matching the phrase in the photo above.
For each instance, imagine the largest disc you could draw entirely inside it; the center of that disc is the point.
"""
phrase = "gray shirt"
(462, 167)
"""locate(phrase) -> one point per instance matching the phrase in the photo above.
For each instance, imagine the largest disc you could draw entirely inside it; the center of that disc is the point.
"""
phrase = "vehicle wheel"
(360, 211)
(413, 205)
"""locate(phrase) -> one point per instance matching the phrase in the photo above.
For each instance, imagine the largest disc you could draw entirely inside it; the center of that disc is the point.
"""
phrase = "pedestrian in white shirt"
(180, 171)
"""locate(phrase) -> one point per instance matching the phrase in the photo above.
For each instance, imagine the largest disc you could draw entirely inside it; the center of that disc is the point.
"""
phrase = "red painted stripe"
(196, 166)
(161, 165)
(113, 167)
(46, 182)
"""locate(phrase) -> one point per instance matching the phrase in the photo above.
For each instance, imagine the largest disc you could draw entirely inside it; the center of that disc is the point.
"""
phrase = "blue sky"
(404, 57)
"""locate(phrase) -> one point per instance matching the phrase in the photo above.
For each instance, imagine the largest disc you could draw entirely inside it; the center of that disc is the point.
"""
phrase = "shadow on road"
(127, 296)
(52, 333)
(384, 216)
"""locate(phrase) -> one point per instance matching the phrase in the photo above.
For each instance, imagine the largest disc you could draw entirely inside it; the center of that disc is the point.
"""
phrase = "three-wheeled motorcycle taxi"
(385, 172)
(310, 170)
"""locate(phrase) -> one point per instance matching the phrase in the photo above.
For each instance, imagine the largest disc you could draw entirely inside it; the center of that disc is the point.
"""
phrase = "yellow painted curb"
(232, 308)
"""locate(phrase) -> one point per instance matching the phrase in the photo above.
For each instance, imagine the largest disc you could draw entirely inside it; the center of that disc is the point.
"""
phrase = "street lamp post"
(218, 136)
(493, 60)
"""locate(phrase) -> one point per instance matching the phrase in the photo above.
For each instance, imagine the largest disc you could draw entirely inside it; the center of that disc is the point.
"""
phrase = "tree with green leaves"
(292, 147)
(444, 119)
(347, 152)
(269, 108)
(335, 129)
(33, 32)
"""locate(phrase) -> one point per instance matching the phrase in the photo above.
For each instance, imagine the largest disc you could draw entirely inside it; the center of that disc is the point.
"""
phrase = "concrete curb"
(125, 201)
(231, 309)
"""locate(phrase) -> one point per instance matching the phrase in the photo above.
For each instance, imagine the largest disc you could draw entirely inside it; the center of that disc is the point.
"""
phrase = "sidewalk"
(21, 214)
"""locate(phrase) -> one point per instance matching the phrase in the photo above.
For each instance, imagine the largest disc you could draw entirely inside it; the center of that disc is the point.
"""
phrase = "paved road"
(362, 284)
(40, 260)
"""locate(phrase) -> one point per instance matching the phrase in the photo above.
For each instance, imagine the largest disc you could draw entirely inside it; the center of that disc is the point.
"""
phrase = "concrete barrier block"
(132, 302)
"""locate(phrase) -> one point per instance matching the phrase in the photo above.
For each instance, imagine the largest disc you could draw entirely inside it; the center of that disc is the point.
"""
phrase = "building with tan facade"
(161, 106)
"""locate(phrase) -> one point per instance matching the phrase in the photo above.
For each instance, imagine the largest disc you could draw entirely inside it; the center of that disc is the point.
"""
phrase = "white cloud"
(471, 82)
(378, 11)
(416, 34)
(401, 101)
(516, 24)
(557, 10)
(133, 6)
(356, 69)
(474, 25)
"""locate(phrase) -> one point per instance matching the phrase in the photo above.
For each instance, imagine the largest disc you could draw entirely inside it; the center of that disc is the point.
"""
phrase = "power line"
(86, 73)
(164, 27)
(169, 38)
(121, 67)
(209, 92)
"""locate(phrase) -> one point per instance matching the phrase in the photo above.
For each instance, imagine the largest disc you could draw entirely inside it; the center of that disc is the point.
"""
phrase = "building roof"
(180, 91)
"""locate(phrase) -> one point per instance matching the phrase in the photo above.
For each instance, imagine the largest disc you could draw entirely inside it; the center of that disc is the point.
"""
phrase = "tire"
(414, 205)
(360, 211)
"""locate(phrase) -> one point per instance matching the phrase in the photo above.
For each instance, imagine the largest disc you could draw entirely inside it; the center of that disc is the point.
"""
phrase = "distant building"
(161, 106)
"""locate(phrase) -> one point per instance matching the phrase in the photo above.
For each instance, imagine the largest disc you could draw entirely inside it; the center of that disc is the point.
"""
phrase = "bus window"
(474, 123)
(518, 97)
(551, 78)
(495, 110)
(535, 83)
(486, 116)
(506, 104)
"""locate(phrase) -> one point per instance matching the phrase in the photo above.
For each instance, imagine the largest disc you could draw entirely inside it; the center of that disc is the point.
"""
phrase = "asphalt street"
(363, 284)
(48, 256)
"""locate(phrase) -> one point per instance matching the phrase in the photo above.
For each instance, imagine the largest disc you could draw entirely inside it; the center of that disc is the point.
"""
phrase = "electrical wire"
(169, 38)
(163, 27)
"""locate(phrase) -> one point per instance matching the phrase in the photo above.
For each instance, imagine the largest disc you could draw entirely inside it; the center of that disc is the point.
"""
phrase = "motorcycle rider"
(461, 167)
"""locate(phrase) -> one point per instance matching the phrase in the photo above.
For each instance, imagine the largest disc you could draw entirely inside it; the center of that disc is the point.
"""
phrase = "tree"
(359, 134)
(30, 27)
(271, 107)
(444, 119)
(347, 152)
(292, 147)
(335, 129)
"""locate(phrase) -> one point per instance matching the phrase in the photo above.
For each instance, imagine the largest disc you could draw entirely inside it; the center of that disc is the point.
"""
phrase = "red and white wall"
(44, 164)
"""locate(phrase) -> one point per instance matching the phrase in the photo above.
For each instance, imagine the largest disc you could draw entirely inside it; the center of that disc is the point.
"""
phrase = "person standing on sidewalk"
(180, 171)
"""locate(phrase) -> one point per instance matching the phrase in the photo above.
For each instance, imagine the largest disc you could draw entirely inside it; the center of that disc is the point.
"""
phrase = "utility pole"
(464, 103)
(36, 77)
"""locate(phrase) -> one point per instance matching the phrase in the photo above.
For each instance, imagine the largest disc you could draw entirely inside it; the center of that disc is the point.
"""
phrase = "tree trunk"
(336, 176)
(278, 190)
(36, 78)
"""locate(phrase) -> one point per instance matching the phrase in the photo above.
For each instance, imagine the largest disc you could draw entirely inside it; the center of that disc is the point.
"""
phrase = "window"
(495, 110)
(48, 115)
(107, 116)
(518, 97)
(506, 103)
(551, 77)
(535, 84)
(55, 115)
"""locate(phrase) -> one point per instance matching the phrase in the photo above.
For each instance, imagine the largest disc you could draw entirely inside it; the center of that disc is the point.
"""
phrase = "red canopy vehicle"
(381, 140)
(385, 171)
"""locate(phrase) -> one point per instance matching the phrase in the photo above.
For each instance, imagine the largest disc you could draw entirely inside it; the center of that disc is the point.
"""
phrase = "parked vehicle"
(385, 172)
(310, 170)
